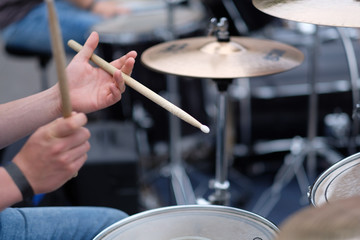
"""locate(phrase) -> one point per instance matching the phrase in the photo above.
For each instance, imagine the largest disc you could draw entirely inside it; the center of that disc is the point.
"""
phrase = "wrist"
(8, 190)
(20, 180)
(55, 99)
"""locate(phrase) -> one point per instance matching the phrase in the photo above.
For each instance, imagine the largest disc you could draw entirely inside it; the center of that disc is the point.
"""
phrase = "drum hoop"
(324, 175)
(169, 209)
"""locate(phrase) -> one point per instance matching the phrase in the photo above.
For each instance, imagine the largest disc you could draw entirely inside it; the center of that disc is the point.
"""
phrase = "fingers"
(119, 81)
(126, 62)
(74, 154)
(70, 124)
(128, 66)
(89, 47)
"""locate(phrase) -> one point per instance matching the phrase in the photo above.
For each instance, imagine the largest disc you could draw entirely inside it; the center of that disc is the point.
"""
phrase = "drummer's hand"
(54, 153)
(109, 8)
(91, 88)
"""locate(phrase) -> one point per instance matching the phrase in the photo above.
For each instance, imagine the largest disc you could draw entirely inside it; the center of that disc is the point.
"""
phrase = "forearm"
(9, 193)
(21, 117)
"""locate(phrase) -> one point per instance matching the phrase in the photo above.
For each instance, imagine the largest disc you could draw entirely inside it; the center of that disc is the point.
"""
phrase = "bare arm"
(21, 117)
(91, 89)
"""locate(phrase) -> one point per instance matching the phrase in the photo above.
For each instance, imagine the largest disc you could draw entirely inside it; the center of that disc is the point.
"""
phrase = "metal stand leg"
(180, 182)
(354, 78)
(293, 167)
(300, 150)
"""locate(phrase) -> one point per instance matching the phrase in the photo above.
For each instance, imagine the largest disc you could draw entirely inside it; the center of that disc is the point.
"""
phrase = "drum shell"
(191, 222)
(339, 181)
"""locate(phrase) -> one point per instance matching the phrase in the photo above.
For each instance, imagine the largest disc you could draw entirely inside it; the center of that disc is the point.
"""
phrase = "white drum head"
(195, 222)
(342, 180)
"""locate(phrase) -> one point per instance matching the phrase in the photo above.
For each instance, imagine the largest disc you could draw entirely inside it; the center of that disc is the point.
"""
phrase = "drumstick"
(59, 55)
(143, 90)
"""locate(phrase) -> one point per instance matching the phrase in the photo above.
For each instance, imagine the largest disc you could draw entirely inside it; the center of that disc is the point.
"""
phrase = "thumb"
(63, 127)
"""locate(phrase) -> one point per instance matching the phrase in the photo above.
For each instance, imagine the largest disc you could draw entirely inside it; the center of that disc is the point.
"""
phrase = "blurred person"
(24, 23)
(55, 151)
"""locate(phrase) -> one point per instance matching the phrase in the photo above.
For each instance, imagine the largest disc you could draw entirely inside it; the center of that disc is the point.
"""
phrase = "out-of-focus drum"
(192, 222)
(143, 25)
(342, 180)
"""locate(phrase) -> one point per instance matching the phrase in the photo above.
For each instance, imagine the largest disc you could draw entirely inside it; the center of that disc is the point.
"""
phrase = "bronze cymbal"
(338, 220)
(205, 57)
(340, 13)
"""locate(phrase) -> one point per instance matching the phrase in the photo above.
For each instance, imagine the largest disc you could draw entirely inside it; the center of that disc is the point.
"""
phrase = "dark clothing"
(14, 10)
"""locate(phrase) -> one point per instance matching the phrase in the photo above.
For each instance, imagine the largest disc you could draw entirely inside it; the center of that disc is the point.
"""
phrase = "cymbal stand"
(180, 182)
(220, 184)
(300, 149)
(354, 77)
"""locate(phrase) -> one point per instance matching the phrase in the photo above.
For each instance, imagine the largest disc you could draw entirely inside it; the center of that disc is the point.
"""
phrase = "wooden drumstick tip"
(205, 129)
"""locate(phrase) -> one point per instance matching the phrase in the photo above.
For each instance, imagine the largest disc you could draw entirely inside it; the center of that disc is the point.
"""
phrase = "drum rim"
(313, 188)
(169, 209)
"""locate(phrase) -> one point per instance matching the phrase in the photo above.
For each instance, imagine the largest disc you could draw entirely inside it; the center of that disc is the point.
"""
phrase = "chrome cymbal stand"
(300, 149)
(180, 182)
(354, 78)
(220, 184)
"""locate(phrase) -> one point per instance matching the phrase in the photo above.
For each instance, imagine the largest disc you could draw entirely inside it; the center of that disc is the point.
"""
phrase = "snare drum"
(192, 222)
(342, 180)
(151, 25)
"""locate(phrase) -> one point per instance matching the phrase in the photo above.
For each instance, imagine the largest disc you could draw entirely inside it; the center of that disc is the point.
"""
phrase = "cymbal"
(338, 220)
(344, 13)
(205, 57)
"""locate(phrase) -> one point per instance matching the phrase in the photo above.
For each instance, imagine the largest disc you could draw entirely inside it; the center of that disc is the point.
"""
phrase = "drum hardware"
(308, 150)
(180, 182)
(338, 128)
(346, 16)
(221, 59)
(301, 150)
(354, 78)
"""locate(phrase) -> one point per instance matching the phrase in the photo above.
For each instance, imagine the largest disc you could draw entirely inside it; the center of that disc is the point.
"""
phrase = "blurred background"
(136, 164)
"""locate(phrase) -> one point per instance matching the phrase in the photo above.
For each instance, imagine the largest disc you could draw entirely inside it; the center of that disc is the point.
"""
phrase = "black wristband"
(20, 180)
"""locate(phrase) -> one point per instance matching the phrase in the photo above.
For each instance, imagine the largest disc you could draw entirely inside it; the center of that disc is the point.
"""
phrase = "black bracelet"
(20, 180)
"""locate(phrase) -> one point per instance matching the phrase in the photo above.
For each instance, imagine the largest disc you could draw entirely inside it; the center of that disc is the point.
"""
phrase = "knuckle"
(57, 148)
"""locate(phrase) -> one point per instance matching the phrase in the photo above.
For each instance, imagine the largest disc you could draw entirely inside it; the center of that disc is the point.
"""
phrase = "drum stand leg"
(300, 151)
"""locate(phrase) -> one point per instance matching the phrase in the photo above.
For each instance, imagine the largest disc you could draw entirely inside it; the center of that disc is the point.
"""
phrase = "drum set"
(223, 58)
